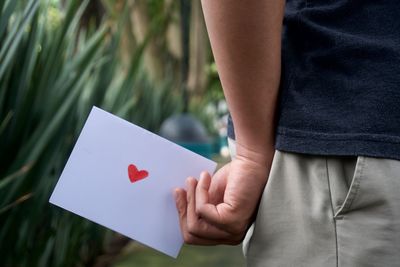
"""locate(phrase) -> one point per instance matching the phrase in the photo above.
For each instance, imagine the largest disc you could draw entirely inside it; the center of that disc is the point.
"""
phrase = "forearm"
(246, 42)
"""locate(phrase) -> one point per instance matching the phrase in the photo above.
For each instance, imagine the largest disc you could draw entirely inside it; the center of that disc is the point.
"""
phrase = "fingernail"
(176, 196)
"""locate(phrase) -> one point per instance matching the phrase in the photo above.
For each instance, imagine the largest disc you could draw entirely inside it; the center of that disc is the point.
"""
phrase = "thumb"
(204, 209)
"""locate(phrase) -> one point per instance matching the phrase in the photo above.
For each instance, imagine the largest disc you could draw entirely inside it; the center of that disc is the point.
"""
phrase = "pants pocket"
(345, 175)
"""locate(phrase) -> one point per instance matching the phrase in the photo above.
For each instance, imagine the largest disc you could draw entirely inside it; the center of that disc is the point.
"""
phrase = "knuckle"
(238, 229)
(229, 226)
(182, 215)
(181, 209)
(203, 228)
(189, 197)
(188, 238)
(199, 210)
(192, 227)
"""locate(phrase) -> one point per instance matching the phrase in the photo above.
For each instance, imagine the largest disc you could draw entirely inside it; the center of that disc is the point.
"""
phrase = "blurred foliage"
(211, 107)
(193, 256)
(51, 74)
(148, 22)
(205, 93)
(214, 92)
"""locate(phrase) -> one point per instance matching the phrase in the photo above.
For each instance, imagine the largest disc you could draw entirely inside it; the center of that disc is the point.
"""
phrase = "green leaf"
(6, 14)
(12, 42)
(5, 122)
(15, 203)
(10, 178)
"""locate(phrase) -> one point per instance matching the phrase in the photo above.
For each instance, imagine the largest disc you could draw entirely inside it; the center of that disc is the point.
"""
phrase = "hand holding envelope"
(220, 210)
(122, 177)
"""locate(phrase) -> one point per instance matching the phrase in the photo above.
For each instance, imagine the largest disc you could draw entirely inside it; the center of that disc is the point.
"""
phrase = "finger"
(181, 206)
(191, 184)
(218, 184)
(202, 195)
(196, 226)
(204, 209)
(221, 216)
(180, 201)
(216, 222)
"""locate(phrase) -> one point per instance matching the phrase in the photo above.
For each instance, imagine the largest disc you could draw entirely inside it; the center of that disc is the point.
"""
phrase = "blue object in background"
(187, 131)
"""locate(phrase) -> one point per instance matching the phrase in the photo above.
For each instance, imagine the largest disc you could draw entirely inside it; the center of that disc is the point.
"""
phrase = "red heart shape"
(136, 175)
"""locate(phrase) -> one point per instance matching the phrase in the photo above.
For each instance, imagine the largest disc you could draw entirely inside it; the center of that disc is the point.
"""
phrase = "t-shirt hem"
(372, 145)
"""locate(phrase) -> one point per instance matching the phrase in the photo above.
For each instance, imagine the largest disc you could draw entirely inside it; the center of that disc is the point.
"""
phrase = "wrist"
(261, 155)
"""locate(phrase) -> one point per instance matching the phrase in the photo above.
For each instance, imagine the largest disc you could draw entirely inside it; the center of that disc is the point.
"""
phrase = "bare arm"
(246, 41)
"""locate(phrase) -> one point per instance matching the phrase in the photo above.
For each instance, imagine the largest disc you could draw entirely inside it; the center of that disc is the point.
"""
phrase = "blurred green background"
(143, 60)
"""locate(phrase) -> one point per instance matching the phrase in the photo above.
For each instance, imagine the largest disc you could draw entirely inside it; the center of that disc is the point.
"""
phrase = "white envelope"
(96, 183)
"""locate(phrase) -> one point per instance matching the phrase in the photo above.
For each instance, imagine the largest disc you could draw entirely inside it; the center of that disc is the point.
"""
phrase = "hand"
(220, 209)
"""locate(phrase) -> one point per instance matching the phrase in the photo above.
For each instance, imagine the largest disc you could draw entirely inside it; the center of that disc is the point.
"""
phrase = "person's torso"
(340, 89)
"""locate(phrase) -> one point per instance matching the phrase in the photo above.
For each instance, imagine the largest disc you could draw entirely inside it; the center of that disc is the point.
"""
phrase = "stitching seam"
(333, 212)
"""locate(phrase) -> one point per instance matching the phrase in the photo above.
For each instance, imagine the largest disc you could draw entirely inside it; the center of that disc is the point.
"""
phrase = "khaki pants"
(327, 211)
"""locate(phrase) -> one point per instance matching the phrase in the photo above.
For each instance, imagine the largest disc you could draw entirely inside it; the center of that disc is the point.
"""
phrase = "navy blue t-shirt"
(340, 87)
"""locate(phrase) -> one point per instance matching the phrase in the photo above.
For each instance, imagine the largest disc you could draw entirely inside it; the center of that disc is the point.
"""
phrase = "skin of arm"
(246, 42)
